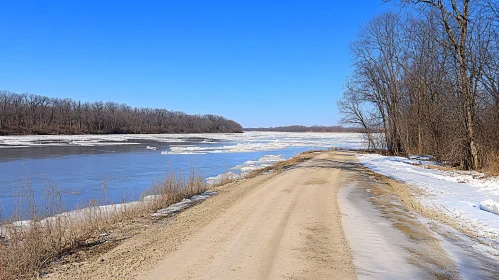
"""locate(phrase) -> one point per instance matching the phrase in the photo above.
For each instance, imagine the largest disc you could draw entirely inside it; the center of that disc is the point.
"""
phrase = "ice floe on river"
(205, 142)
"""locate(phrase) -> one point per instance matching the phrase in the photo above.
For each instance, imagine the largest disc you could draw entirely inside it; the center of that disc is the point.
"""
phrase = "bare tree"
(432, 79)
(35, 114)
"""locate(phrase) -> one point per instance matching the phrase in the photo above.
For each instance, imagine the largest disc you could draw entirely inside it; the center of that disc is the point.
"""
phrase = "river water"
(126, 165)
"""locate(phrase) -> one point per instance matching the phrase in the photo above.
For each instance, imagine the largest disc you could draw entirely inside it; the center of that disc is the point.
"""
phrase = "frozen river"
(128, 164)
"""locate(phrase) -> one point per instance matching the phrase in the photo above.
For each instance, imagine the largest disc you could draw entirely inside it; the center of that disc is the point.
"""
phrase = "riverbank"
(274, 225)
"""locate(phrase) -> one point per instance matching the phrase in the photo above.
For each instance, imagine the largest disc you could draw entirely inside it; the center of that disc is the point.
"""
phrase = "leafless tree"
(432, 76)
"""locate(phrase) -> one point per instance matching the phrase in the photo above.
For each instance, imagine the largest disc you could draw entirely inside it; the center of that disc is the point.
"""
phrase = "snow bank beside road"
(456, 193)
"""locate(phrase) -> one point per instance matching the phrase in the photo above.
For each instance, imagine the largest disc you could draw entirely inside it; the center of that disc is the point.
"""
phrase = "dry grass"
(492, 166)
(52, 233)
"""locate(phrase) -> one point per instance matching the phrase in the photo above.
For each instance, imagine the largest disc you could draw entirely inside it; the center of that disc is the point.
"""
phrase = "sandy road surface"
(287, 228)
(277, 226)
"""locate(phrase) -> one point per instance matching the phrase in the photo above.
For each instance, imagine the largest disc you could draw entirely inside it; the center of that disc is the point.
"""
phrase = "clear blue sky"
(261, 63)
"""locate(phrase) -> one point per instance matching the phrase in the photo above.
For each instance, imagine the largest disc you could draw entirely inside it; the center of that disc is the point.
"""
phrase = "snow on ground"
(461, 195)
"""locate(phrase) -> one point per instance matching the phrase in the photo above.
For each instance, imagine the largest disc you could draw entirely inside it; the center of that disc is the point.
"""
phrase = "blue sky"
(261, 63)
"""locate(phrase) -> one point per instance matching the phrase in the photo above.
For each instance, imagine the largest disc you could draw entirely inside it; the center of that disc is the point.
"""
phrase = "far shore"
(4, 133)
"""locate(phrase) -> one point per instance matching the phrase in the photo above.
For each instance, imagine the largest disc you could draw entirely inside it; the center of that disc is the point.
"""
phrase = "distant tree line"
(427, 77)
(36, 114)
(301, 128)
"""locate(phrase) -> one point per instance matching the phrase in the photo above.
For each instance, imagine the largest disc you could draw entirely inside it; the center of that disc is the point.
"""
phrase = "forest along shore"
(311, 221)
(31, 114)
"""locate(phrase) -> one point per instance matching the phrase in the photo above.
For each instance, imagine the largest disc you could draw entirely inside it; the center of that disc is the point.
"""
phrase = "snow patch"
(242, 170)
(184, 204)
(490, 205)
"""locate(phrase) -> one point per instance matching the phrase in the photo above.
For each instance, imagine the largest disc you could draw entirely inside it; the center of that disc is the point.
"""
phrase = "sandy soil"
(285, 225)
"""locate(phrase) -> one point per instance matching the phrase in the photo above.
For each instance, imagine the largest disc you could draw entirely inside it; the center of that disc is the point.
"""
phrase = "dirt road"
(276, 226)
(286, 228)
